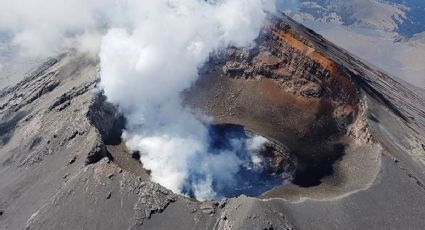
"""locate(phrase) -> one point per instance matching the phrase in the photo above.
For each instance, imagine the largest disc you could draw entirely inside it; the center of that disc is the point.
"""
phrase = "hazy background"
(386, 33)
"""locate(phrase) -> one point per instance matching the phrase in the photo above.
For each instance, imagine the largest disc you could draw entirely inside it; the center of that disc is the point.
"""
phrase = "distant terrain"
(405, 17)
(388, 34)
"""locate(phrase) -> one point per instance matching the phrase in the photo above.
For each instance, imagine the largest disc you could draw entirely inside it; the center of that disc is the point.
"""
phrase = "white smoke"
(146, 67)
(253, 145)
(47, 27)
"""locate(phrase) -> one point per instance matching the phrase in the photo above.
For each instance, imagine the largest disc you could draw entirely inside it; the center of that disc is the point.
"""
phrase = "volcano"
(349, 137)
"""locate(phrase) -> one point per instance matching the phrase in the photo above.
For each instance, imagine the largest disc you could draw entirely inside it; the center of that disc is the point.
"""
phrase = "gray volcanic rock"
(62, 165)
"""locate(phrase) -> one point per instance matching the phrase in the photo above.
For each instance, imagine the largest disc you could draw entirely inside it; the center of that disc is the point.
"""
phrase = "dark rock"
(97, 153)
(63, 106)
(72, 135)
(72, 160)
(65, 99)
(223, 203)
(107, 119)
(311, 89)
(208, 207)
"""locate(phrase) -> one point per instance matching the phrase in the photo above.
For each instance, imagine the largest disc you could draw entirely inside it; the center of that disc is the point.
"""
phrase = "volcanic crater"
(299, 100)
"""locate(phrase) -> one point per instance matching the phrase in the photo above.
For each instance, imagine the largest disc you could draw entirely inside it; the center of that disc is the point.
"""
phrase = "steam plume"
(144, 70)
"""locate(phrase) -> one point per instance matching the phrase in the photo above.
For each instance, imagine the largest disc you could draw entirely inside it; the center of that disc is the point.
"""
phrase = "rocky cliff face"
(356, 134)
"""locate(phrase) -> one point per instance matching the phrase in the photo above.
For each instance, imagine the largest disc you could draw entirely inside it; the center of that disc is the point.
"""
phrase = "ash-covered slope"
(356, 134)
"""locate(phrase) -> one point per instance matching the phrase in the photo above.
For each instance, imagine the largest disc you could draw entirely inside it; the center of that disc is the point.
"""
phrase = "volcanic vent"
(263, 164)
